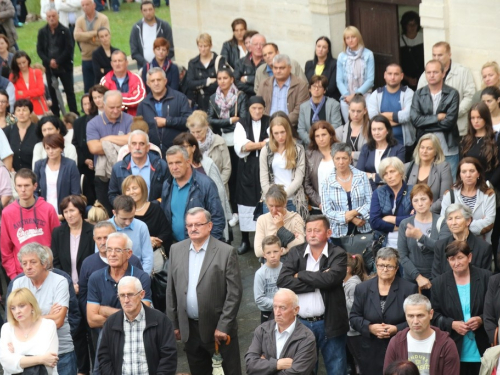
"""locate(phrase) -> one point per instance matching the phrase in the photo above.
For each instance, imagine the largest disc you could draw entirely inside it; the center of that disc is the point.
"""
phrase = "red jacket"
(444, 356)
(35, 92)
(131, 98)
(21, 226)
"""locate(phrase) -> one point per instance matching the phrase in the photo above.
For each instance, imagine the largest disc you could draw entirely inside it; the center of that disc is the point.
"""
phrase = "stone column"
(329, 18)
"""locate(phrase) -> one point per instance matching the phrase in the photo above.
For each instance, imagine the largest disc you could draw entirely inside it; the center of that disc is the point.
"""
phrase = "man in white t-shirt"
(432, 350)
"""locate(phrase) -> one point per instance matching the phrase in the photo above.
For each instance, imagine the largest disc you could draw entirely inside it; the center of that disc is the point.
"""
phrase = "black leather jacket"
(246, 67)
(425, 121)
(231, 52)
(222, 124)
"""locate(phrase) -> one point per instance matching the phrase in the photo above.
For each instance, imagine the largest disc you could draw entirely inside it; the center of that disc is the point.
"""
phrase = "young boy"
(264, 286)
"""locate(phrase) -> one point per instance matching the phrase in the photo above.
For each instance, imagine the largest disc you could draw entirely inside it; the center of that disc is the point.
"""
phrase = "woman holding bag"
(28, 82)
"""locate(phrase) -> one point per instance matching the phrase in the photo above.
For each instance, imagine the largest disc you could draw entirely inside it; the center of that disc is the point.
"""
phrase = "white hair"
(138, 132)
(291, 294)
(125, 280)
(128, 244)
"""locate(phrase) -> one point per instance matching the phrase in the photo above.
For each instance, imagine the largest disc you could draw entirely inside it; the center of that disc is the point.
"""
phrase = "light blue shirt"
(138, 232)
(269, 71)
(195, 262)
(280, 97)
(470, 352)
(144, 171)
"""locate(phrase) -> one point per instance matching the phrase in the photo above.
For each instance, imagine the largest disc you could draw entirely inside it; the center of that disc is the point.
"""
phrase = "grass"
(120, 23)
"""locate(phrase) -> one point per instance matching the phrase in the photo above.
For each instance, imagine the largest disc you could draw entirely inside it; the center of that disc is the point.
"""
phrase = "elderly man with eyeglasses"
(203, 296)
(139, 339)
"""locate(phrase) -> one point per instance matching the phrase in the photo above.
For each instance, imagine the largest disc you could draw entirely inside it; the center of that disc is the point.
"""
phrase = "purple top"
(100, 126)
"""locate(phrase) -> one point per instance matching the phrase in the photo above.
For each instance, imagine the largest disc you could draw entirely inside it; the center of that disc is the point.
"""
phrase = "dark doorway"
(378, 22)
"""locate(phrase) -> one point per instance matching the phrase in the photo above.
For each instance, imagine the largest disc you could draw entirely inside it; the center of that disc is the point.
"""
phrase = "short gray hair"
(466, 211)
(290, 293)
(125, 280)
(417, 299)
(110, 93)
(394, 162)
(282, 58)
(104, 224)
(195, 210)
(173, 150)
(157, 69)
(138, 132)
(34, 248)
(117, 52)
(387, 253)
(341, 147)
(128, 242)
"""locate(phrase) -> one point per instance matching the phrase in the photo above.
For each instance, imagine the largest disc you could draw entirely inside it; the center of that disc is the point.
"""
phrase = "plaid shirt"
(134, 355)
(335, 205)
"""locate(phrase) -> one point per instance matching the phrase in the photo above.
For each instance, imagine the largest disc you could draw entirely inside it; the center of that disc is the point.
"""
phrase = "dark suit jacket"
(481, 254)
(366, 161)
(61, 246)
(447, 306)
(439, 181)
(63, 42)
(366, 310)
(219, 290)
(491, 312)
(328, 282)
(68, 180)
(330, 72)
(80, 143)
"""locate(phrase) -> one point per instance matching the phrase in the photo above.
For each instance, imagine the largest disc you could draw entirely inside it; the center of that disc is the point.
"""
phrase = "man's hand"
(161, 122)
(243, 79)
(413, 232)
(219, 336)
(89, 163)
(55, 309)
(423, 282)
(177, 333)
(77, 288)
(441, 116)
(474, 323)
(387, 115)
(284, 364)
(53, 64)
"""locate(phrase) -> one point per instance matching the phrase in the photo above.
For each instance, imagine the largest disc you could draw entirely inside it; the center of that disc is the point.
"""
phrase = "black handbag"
(259, 210)
(356, 243)
(159, 278)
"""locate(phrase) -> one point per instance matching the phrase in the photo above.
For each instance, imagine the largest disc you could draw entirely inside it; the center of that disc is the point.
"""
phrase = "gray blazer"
(341, 133)
(219, 289)
(332, 109)
(300, 346)
(417, 260)
(439, 181)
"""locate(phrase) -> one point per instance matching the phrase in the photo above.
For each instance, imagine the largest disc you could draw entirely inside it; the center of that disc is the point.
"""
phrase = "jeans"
(67, 364)
(88, 75)
(453, 161)
(289, 206)
(332, 349)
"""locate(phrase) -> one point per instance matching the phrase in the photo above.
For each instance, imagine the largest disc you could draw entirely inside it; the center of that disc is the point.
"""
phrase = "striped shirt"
(134, 354)
(469, 201)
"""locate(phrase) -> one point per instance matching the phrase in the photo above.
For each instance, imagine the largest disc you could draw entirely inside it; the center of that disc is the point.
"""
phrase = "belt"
(313, 318)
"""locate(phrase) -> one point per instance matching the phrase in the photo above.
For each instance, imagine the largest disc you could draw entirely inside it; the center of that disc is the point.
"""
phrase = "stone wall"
(294, 25)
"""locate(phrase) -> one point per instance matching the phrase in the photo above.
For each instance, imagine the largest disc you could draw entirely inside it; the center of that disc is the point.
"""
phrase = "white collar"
(324, 252)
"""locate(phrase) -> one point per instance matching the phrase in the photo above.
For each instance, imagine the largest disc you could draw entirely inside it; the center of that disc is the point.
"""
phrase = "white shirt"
(378, 158)
(311, 304)
(69, 151)
(241, 138)
(419, 352)
(282, 176)
(195, 262)
(148, 38)
(282, 337)
(52, 186)
(324, 170)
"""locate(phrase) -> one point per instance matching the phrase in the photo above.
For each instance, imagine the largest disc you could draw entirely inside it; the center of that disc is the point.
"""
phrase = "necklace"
(29, 331)
(344, 179)
(478, 139)
(140, 209)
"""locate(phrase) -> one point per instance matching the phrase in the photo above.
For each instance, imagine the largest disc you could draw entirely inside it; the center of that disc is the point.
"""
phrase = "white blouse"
(45, 340)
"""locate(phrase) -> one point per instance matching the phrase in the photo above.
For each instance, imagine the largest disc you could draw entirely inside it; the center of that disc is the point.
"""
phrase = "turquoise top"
(470, 352)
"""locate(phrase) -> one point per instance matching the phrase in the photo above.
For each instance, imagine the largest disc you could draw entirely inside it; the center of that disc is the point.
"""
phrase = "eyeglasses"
(316, 87)
(128, 295)
(388, 267)
(3, 101)
(117, 251)
(196, 225)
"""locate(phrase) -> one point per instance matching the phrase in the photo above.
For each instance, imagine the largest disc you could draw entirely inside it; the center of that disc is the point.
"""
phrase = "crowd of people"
(372, 210)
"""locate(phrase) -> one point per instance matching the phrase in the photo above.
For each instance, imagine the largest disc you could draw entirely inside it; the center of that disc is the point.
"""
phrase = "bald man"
(55, 48)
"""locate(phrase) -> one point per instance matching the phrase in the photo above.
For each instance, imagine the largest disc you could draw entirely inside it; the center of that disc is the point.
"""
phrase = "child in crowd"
(355, 275)
(264, 286)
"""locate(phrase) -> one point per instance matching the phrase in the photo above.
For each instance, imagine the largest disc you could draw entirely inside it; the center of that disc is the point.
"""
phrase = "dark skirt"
(248, 190)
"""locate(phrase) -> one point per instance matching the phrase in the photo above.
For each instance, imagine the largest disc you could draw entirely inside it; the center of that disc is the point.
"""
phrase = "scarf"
(317, 108)
(166, 64)
(354, 68)
(226, 103)
(207, 143)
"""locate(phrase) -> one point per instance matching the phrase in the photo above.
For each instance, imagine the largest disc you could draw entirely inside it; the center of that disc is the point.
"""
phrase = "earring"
(33, 311)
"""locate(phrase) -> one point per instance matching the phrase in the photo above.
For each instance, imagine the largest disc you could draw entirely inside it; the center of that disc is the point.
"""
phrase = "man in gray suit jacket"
(203, 296)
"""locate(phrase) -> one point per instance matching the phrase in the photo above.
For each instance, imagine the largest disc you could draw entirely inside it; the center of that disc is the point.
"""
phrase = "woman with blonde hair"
(210, 144)
(97, 213)
(282, 162)
(430, 167)
(27, 339)
(490, 75)
(355, 69)
(202, 71)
